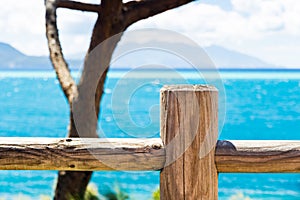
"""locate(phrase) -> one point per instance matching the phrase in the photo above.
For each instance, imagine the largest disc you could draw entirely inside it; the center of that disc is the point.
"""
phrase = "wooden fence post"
(189, 131)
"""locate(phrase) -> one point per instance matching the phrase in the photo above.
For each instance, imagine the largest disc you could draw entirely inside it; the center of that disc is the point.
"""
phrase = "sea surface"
(254, 105)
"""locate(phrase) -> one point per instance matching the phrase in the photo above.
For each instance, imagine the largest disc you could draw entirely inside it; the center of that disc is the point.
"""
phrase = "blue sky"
(267, 29)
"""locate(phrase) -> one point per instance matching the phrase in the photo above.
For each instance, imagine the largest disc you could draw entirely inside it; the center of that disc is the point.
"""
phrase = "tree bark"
(78, 6)
(60, 65)
(142, 9)
(108, 24)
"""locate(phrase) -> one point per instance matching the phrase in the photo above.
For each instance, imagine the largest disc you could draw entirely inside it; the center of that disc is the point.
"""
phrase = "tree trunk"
(74, 183)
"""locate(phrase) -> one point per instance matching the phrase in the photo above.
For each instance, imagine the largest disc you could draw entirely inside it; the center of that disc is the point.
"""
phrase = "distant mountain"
(221, 57)
(224, 58)
(11, 58)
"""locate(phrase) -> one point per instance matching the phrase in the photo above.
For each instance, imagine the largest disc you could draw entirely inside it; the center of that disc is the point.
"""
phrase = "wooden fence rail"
(81, 154)
(17, 153)
(262, 156)
(187, 153)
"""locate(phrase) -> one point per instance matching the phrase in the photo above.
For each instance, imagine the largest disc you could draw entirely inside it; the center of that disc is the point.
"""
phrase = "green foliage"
(156, 194)
(116, 194)
(91, 193)
(90, 196)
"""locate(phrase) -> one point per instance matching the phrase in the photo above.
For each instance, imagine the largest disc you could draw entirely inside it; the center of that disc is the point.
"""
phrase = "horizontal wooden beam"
(83, 154)
(262, 156)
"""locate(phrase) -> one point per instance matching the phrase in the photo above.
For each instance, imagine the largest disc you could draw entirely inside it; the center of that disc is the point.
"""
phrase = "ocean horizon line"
(163, 73)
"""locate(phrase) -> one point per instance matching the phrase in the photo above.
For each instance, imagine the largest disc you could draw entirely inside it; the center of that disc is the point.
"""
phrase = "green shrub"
(156, 194)
(115, 194)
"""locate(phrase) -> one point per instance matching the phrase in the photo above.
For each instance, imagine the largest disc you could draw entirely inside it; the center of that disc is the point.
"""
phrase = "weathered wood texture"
(189, 129)
(141, 154)
(258, 156)
(81, 154)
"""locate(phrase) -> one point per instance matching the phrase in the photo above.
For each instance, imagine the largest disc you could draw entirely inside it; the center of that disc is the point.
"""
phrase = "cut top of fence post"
(187, 88)
(189, 130)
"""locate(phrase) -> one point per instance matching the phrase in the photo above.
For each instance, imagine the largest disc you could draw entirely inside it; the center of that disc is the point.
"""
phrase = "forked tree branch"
(142, 9)
(60, 65)
(74, 5)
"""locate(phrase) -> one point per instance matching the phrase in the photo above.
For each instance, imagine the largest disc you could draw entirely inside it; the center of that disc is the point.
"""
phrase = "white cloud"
(22, 25)
(75, 29)
(244, 28)
(246, 6)
(267, 29)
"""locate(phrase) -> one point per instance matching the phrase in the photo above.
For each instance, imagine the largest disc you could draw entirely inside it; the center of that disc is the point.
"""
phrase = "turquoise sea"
(259, 105)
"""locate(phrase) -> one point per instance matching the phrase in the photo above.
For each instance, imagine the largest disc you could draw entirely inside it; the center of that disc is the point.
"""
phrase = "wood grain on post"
(189, 131)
